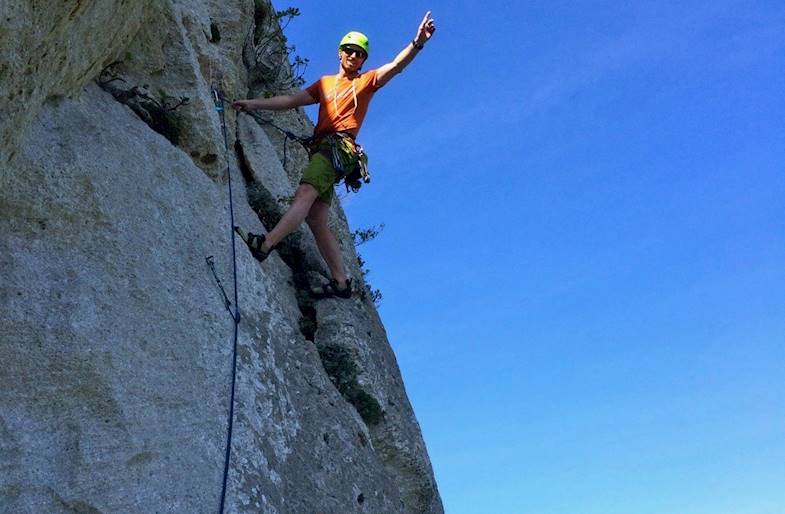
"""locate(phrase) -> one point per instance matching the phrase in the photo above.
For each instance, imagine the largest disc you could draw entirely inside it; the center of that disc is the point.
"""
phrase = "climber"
(343, 102)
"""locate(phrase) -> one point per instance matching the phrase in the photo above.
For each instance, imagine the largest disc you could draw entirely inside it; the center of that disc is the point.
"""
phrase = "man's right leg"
(304, 198)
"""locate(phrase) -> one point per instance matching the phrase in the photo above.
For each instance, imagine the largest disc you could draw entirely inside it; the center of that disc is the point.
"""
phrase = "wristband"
(418, 47)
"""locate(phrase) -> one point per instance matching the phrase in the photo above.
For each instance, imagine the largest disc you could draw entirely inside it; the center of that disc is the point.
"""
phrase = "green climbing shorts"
(321, 175)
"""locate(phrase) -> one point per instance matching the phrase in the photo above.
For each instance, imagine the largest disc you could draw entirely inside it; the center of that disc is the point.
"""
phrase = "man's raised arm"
(424, 33)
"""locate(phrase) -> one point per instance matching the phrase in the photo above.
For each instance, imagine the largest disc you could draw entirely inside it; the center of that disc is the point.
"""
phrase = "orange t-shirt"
(343, 102)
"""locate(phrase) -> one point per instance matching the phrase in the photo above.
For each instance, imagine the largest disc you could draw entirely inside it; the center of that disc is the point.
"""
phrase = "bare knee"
(306, 194)
(305, 190)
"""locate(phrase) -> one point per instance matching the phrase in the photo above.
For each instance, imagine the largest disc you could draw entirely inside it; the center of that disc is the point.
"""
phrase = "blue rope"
(219, 106)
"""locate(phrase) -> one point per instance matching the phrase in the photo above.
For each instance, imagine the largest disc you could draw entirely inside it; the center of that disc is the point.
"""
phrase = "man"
(343, 102)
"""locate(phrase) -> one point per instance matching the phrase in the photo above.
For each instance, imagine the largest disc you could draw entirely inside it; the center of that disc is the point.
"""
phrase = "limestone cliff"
(116, 346)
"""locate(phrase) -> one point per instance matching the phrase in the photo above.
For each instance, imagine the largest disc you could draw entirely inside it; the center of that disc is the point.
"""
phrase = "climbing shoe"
(254, 242)
(331, 289)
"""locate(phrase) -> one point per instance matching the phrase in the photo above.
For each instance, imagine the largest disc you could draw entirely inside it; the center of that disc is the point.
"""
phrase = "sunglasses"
(348, 50)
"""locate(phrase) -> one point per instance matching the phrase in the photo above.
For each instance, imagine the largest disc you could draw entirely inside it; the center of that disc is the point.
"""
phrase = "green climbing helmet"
(356, 39)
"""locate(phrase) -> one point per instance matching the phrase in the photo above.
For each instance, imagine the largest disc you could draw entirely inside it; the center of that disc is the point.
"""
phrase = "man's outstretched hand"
(243, 105)
(426, 30)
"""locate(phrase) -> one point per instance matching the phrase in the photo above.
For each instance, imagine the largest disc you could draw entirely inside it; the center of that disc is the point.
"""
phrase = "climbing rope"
(304, 141)
(219, 107)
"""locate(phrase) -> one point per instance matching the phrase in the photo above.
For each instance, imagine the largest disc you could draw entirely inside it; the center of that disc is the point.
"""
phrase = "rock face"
(48, 51)
(115, 341)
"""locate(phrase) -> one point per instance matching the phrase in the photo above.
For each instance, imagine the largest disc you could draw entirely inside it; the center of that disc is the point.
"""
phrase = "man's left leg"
(325, 240)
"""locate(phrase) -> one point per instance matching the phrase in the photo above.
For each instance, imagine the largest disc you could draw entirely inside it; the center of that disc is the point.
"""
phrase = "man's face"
(352, 57)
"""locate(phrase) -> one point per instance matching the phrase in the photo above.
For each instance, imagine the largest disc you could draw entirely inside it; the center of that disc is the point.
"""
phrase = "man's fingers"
(427, 24)
(425, 19)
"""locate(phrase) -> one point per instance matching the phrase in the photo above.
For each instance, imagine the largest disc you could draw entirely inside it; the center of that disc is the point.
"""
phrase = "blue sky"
(583, 264)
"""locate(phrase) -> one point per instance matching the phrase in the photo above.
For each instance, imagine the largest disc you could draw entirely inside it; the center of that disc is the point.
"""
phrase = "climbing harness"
(219, 107)
(346, 156)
